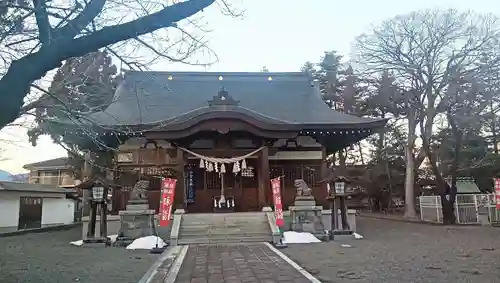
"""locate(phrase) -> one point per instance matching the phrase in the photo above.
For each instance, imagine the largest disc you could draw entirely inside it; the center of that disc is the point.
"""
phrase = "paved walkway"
(237, 263)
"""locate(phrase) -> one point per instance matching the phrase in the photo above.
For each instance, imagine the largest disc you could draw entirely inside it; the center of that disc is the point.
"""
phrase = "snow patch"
(291, 237)
(76, 243)
(146, 243)
(357, 236)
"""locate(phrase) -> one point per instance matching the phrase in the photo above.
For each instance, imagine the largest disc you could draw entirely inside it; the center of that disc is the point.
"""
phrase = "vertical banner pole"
(167, 200)
(278, 205)
(497, 193)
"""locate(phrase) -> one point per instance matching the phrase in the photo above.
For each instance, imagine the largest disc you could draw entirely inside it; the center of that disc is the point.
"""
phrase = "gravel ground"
(394, 251)
(48, 257)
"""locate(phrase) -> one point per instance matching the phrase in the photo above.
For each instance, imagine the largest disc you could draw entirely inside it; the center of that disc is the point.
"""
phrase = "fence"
(466, 208)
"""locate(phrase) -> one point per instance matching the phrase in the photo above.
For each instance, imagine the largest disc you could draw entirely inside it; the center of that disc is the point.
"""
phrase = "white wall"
(9, 210)
(57, 211)
(56, 208)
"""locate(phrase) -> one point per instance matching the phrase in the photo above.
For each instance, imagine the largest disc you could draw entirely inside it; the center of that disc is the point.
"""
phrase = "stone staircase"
(222, 228)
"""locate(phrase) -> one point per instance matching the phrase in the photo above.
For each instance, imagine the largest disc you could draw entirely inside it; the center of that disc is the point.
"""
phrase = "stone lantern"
(98, 198)
(337, 192)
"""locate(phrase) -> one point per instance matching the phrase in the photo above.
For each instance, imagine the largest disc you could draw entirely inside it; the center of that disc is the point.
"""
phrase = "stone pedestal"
(307, 217)
(135, 222)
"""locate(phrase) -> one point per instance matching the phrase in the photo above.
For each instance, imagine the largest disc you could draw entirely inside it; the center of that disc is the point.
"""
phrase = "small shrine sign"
(167, 200)
(278, 205)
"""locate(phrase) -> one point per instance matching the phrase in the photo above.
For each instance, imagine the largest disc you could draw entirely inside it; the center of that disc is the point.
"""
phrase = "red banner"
(167, 200)
(497, 193)
(278, 205)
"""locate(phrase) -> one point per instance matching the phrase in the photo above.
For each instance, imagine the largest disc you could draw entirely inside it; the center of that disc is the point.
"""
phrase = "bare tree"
(423, 49)
(38, 36)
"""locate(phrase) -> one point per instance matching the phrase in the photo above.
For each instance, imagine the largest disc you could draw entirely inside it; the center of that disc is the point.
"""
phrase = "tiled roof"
(27, 187)
(56, 162)
(153, 97)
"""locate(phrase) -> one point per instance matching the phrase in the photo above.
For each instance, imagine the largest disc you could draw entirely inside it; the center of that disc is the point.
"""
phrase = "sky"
(274, 33)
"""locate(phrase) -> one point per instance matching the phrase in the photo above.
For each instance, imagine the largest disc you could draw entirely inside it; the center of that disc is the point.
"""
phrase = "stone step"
(228, 229)
(224, 231)
(228, 215)
(222, 219)
(224, 240)
(227, 225)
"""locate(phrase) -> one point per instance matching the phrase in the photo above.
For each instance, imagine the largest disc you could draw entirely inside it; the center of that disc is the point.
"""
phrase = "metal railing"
(467, 208)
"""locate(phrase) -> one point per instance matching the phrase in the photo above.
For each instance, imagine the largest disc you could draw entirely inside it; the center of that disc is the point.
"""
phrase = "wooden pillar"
(180, 192)
(92, 220)
(264, 177)
(104, 213)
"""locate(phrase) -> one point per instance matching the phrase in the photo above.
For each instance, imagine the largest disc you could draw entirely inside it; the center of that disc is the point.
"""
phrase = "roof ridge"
(213, 73)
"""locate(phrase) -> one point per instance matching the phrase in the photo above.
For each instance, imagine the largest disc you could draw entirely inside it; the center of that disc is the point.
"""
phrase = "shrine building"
(221, 135)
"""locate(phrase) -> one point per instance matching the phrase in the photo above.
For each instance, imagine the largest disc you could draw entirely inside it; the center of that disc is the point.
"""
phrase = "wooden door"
(30, 213)
(207, 185)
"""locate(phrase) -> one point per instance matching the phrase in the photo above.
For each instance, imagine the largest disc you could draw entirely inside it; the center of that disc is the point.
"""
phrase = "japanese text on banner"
(167, 200)
(278, 205)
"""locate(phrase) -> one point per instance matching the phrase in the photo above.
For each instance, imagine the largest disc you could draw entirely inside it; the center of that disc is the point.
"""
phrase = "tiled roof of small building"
(27, 187)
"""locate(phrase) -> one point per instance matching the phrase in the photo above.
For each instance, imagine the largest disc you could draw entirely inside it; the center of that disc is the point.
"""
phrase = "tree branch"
(16, 82)
(42, 21)
(76, 25)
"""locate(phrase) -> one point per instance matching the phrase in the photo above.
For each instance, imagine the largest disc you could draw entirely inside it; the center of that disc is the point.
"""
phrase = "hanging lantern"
(243, 164)
(223, 168)
(202, 163)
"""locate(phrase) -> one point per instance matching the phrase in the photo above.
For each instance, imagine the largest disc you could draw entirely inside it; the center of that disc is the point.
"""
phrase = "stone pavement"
(49, 258)
(236, 263)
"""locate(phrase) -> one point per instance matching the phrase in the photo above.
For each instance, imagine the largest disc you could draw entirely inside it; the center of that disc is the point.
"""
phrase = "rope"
(221, 160)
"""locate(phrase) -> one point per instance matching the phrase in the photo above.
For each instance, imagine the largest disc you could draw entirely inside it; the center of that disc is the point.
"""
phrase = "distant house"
(29, 206)
(56, 172)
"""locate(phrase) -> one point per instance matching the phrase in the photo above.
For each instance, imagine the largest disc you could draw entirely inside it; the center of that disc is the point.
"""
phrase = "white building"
(30, 206)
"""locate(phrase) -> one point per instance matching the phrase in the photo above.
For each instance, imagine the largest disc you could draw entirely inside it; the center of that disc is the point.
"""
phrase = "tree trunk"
(448, 204)
(446, 192)
(410, 211)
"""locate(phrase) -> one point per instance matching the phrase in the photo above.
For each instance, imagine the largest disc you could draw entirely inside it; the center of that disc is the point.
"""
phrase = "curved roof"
(149, 98)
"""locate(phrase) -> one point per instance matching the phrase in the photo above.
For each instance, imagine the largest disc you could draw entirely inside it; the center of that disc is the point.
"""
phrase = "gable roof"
(27, 187)
(149, 98)
(61, 162)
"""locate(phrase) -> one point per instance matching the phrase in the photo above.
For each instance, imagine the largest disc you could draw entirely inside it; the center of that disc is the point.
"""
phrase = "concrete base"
(304, 201)
(113, 223)
(180, 211)
(351, 219)
(339, 235)
(267, 209)
(307, 217)
(135, 224)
